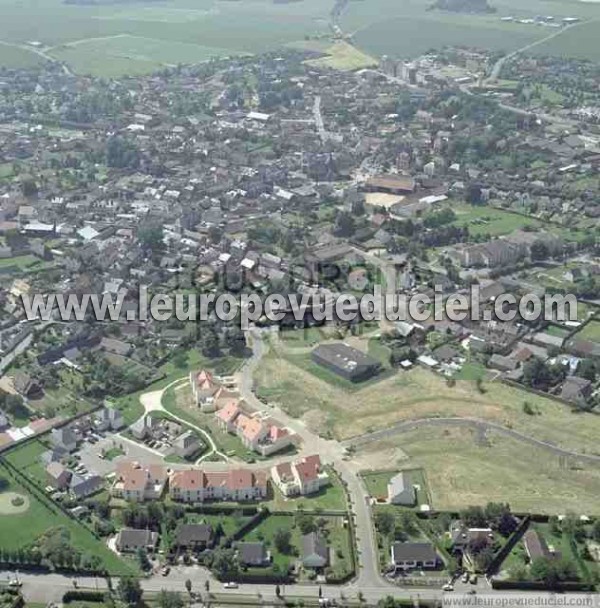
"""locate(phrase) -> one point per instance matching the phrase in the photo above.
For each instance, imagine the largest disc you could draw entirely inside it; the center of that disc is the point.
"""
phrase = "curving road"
(152, 402)
(478, 424)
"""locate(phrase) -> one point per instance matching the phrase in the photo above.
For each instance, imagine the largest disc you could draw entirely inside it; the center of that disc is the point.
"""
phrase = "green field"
(22, 529)
(18, 57)
(464, 469)
(407, 29)
(114, 56)
(490, 220)
(590, 332)
(135, 38)
(304, 390)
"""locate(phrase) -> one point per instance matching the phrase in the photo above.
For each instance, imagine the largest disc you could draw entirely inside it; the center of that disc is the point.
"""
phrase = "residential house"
(137, 483)
(252, 554)
(315, 552)
(194, 537)
(58, 476)
(227, 416)
(64, 438)
(143, 428)
(82, 487)
(257, 434)
(130, 540)
(408, 556)
(209, 394)
(197, 486)
(576, 390)
(301, 477)
(536, 546)
(401, 490)
(109, 418)
(187, 444)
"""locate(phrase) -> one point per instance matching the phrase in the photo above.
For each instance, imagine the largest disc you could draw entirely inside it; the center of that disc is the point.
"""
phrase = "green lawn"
(590, 332)
(376, 483)
(27, 458)
(490, 220)
(330, 498)
(20, 530)
(338, 538)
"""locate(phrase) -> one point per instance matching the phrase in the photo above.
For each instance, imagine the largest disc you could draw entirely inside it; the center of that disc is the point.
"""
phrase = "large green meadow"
(139, 37)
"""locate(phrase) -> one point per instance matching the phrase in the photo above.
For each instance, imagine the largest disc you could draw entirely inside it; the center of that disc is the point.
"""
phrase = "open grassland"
(590, 332)
(463, 471)
(18, 57)
(350, 411)
(490, 220)
(344, 57)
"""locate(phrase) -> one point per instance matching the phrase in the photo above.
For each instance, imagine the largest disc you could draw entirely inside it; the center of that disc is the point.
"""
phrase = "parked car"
(474, 579)
(465, 577)
(230, 585)
(448, 587)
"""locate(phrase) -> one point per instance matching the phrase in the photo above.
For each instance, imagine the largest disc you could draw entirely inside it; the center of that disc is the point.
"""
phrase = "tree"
(277, 591)
(474, 194)
(344, 224)
(385, 522)
(282, 540)
(143, 561)
(188, 586)
(150, 236)
(169, 599)
(474, 517)
(596, 531)
(306, 523)
(129, 590)
(551, 571)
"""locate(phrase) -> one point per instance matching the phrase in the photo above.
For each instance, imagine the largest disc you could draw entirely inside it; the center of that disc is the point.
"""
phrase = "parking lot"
(90, 454)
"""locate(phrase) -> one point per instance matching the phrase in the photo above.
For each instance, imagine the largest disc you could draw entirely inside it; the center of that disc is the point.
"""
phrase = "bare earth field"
(462, 472)
(305, 391)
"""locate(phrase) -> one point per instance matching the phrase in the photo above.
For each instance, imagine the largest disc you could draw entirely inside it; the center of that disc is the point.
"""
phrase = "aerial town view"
(299, 303)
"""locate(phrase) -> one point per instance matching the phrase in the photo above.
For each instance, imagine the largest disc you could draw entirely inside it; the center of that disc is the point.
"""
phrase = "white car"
(15, 583)
(448, 587)
(230, 585)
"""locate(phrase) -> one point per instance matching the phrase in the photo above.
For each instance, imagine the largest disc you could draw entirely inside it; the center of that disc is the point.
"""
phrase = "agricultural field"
(462, 469)
(331, 408)
(114, 56)
(135, 38)
(408, 29)
(139, 38)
